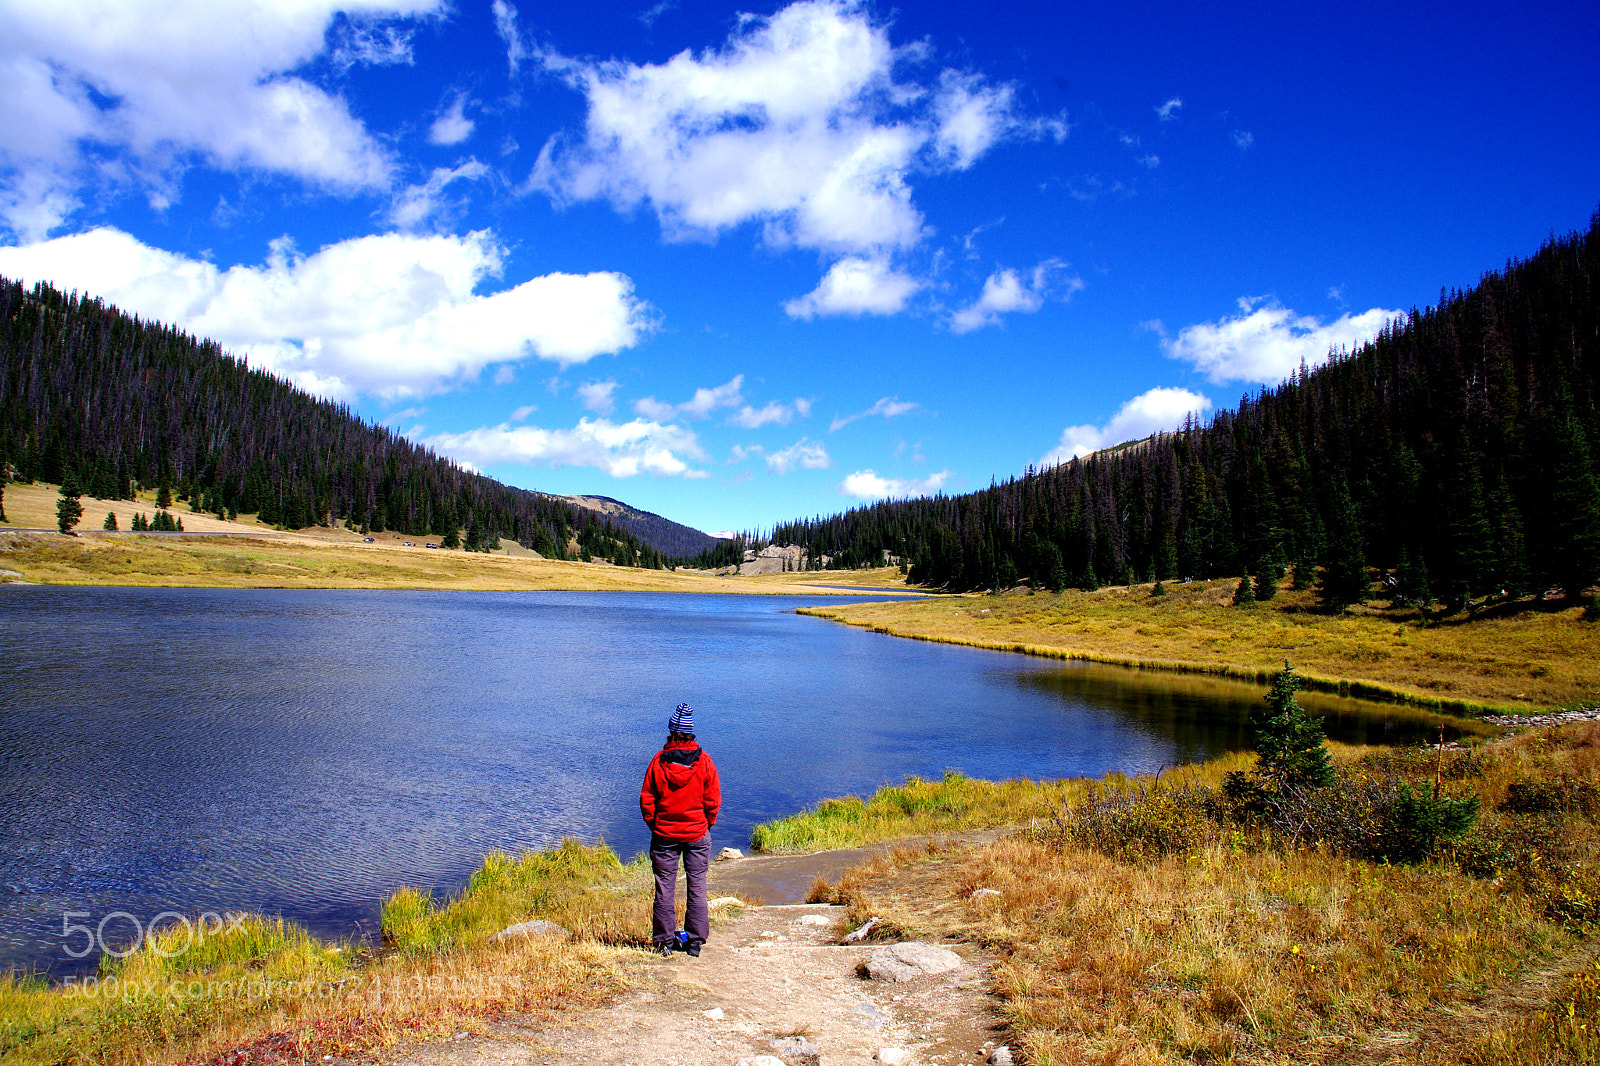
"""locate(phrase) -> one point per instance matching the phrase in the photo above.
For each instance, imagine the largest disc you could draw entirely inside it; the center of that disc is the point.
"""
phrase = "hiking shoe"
(693, 949)
(664, 949)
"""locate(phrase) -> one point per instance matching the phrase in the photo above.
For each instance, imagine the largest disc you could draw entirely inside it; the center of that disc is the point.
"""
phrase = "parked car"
(367, 539)
(410, 545)
(430, 545)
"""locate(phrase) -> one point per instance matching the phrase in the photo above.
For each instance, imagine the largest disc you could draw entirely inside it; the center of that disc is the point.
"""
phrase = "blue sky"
(741, 264)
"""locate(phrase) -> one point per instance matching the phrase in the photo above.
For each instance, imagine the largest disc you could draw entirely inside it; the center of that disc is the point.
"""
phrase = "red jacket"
(681, 794)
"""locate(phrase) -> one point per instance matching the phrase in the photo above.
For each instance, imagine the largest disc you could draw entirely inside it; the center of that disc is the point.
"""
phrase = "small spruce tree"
(111, 521)
(1245, 594)
(69, 509)
(1290, 752)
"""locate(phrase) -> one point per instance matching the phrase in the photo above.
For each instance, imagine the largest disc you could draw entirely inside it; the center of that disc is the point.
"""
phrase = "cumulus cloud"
(392, 315)
(452, 126)
(130, 93)
(1008, 292)
(1243, 139)
(621, 450)
(868, 485)
(804, 453)
(418, 204)
(700, 405)
(856, 286)
(1266, 342)
(888, 407)
(597, 396)
(797, 123)
(1169, 110)
(1150, 412)
(774, 413)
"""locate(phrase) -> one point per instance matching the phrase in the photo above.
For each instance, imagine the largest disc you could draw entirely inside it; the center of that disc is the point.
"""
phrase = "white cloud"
(805, 453)
(740, 452)
(392, 315)
(774, 413)
(597, 396)
(797, 123)
(1266, 343)
(131, 93)
(1169, 109)
(452, 126)
(856, 286)
(868, 485)
(505, 24)
(1152, 160)
(521, 413)
(1007, 292)
(700, 405)
(1150, 412)
(416, 204)
(888, 407)
(621, 450)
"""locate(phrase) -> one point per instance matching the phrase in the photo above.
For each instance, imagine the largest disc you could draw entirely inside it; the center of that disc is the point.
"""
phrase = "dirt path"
(772, 972)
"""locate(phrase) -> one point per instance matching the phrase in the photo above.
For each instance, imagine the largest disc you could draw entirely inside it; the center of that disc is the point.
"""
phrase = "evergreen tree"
(1573, 538)
(110, 522)
(1411, 581)
(69, 509)
(1290, 752)
(163, 497)
(1344, 574)
(1245, 593)
(1269, 571)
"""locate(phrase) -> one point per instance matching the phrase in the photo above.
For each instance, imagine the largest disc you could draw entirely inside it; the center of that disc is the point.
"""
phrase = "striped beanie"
(682, 720)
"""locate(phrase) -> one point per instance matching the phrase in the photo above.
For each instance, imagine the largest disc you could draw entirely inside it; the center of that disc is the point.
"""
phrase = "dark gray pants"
(664, 855)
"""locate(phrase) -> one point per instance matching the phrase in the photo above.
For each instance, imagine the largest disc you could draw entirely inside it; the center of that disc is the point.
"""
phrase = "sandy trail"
(772, 972)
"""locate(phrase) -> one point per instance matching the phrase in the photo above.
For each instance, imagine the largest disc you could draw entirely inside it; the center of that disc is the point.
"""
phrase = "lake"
(304, 753)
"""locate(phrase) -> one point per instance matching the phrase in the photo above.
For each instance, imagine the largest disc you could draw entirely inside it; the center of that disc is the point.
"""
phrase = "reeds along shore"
(1130, 919)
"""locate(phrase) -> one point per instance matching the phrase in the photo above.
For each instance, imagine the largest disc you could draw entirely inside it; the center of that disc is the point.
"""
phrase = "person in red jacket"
(680, 799)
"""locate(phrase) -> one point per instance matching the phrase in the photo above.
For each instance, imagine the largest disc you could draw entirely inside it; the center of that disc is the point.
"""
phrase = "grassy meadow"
(1531, 655)
(326, 558)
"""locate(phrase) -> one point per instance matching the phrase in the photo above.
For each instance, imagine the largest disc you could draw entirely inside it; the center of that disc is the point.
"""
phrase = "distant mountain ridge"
(91, 392)
(668, 537)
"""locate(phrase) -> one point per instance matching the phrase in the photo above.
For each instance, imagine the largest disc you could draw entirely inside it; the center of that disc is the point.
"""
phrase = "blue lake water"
(304, 753)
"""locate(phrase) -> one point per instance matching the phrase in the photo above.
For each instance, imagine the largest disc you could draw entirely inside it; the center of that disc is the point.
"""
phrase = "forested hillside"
(1459, 450)
(114, 402)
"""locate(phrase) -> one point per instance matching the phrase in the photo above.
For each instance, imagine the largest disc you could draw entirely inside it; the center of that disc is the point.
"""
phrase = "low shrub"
(1558, 794)
(1381, 818)
(1139, 824)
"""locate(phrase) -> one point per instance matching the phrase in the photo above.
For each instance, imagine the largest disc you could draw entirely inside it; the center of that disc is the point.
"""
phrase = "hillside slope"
(1458, 449)
(115, 402)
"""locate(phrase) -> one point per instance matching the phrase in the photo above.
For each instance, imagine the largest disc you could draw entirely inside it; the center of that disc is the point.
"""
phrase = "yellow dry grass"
(1542, 657)
(1240, 949)
(264, 986)
(328, 558)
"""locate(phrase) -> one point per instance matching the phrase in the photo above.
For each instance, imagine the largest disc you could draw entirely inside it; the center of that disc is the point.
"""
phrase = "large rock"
(908, 961)
(537, 927)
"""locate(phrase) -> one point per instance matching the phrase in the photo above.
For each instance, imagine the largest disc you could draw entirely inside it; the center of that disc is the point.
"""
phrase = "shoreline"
(1315, 680)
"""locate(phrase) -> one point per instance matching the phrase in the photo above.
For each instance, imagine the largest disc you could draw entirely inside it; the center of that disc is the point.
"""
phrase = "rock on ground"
(537, 927)
(908, 961)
